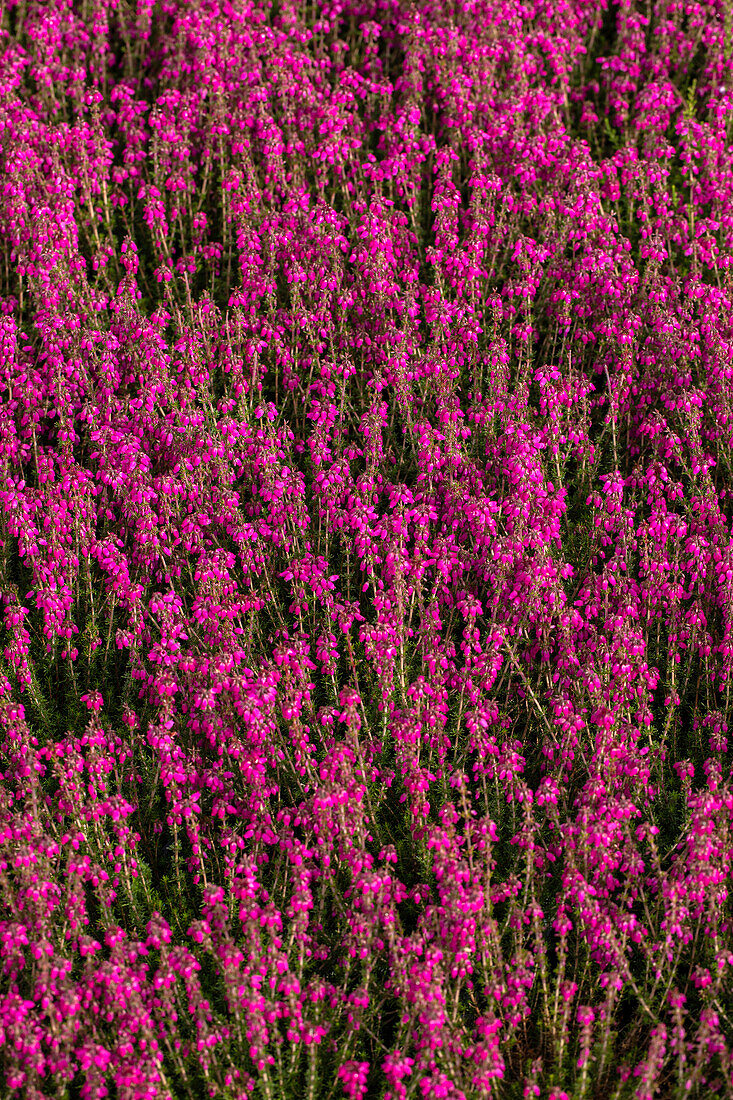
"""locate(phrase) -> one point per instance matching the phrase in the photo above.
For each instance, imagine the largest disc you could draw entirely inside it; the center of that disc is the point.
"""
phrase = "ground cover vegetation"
(365, 549)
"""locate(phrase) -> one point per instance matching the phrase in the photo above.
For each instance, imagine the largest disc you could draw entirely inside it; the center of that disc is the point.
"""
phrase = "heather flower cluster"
(366, 563)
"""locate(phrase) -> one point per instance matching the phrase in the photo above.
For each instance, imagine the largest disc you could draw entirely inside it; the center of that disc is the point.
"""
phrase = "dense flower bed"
(367, 573)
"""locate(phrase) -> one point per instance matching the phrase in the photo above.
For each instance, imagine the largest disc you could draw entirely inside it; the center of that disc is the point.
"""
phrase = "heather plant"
(367, 573)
